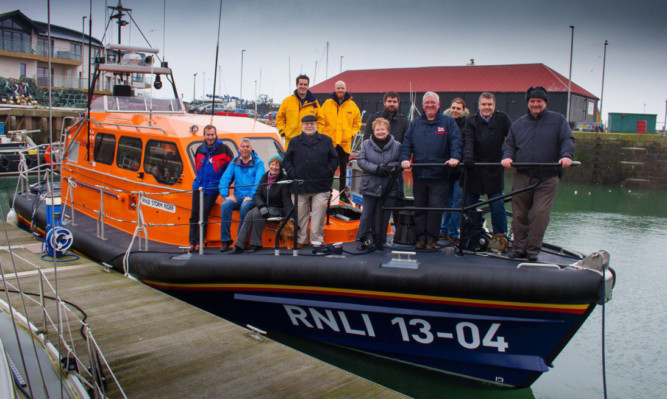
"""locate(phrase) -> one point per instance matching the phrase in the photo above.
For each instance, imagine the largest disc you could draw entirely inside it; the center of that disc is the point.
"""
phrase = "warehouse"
(507, 82)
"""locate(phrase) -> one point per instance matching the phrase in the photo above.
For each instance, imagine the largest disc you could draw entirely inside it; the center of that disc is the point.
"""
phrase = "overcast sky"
(390, 34)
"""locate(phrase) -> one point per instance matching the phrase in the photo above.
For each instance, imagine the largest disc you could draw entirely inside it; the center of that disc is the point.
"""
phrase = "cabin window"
(266, 147)
(129, 153)
(105, 148)
(163, 162)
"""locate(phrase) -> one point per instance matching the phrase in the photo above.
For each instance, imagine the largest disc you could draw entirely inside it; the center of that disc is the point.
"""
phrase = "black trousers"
(431, 193)
(343, 158)
(374, 220)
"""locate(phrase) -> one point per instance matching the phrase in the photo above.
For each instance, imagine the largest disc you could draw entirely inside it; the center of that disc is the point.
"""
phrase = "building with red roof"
(508, 82)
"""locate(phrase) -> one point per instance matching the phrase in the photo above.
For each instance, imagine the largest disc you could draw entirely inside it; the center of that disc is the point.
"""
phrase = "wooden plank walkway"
(158, 346)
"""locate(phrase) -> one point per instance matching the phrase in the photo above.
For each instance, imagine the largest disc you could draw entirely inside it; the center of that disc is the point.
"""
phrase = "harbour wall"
(620, 159)
(614, 159)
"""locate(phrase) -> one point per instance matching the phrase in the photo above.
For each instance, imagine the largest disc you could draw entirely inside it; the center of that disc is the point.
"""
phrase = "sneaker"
(516, 254)
(421, 244)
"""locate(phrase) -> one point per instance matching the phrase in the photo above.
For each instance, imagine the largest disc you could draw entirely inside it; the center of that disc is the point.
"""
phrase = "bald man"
(342, 121)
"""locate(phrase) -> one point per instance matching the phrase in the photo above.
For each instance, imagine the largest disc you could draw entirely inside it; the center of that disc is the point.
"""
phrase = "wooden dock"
(158, 346)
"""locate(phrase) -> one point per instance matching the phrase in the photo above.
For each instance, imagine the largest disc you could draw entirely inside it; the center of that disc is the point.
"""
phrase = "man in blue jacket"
(431, 138)
(540, 136)
(245, 171)
(211, 160)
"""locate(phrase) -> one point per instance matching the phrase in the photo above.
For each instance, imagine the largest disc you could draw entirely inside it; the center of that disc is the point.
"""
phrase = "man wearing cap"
(293, 108)
(342, 121)
(245, 171)
(311, 158)
(540, 136)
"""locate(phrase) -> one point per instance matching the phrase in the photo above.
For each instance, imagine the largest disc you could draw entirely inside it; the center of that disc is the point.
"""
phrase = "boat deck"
(161, 347)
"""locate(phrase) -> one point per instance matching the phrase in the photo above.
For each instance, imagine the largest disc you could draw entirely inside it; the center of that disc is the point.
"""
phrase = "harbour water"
(632, 226)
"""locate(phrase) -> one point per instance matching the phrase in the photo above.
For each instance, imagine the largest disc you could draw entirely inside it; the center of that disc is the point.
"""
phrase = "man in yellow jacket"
(295, 107)
(342, 121)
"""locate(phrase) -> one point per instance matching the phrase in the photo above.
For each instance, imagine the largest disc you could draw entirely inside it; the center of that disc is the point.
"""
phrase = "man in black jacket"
(398, 124)
(483, 139)
(312, 158)
(539, 136)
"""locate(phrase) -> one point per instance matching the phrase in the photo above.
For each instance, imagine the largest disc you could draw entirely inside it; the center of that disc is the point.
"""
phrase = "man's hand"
(507, 162)
(246, 199)
(453, 162)
(405, 164)
(565, 162)
(231, 198)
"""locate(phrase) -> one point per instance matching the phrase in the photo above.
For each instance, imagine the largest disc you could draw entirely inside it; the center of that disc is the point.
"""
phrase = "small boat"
(125, 196)
(19, 153)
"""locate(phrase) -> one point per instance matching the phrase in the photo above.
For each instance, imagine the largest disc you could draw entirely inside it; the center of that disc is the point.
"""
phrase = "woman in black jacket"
(271, 199)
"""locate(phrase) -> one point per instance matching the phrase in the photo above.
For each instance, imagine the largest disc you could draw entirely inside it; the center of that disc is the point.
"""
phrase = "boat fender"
(12, 217)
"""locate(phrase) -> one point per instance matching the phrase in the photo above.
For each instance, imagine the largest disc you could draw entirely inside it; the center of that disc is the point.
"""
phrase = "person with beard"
(211, 159)
(342, 121)
(398, 123)
(378, 158)
(449, 229)
(293, 108)
(539, 136)
(483, 140)
(432, 138)
(311, 158)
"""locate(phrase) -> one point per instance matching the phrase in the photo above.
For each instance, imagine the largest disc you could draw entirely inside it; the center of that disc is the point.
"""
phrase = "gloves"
(469, 163)
(382, 171)
(264, 211)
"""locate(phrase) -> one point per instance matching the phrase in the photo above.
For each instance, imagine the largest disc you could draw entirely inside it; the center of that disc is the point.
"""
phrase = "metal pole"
(194, 87)
(341, 64)
(569, 79)
(201, 220)
(604, 63)
(664, 126)
(203, 87)
(241, 90)
(289, 73)
(83, 38)
(326, 69)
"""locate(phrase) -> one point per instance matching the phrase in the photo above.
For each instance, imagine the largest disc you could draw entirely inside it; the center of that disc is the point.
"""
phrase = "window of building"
(23, 70)
(105, 144)
(14, 39)
(163, 161)
(75, 51)
(43, 46)
(129, 153)
(43, 76)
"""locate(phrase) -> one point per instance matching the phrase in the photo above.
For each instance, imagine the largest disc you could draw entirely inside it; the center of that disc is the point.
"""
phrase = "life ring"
(4, 162)
(47, 154)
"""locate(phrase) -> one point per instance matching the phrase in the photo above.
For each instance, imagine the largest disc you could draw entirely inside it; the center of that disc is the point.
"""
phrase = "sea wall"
(32, 118)
(620, 159)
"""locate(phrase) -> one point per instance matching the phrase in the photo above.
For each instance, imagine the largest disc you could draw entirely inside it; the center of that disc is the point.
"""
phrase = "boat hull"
(476, 316)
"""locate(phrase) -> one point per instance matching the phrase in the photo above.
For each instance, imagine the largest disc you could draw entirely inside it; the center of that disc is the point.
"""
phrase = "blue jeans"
(452, 219)
(498, 215)
(226, 210)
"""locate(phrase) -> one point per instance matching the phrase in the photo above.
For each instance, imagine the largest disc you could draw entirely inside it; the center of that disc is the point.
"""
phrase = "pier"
(158, 346)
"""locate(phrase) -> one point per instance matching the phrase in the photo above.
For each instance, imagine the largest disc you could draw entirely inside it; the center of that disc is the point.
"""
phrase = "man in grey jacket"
(540, 136)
